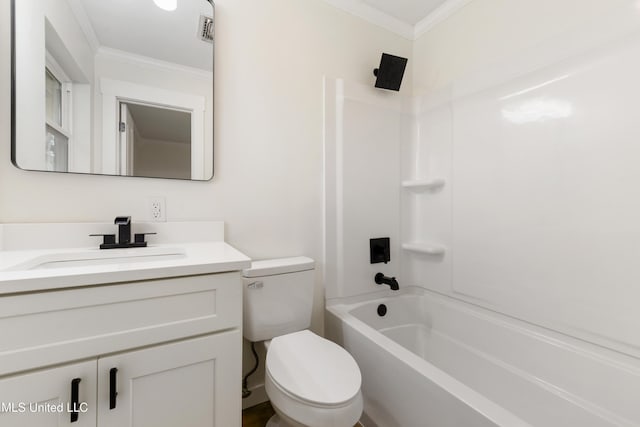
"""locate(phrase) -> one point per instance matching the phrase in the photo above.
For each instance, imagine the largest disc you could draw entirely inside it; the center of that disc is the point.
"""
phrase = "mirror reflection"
(117, 88)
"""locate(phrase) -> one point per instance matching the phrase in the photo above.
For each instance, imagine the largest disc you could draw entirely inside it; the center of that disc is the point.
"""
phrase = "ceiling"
(408, 11)
(141, 28)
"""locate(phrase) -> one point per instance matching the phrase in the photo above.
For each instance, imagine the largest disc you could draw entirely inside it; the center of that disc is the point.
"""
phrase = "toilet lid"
(313, 369)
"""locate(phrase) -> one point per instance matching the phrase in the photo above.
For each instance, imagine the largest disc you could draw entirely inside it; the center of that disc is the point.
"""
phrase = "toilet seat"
(294, 412)
(313, 370)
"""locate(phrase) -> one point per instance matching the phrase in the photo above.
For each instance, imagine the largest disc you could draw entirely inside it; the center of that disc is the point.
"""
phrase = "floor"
(257, 416)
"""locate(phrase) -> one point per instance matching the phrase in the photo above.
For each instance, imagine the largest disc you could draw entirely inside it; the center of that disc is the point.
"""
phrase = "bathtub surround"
(363, 129)
(513, 174)
(491, 165)
(535, 139)
(515, 186)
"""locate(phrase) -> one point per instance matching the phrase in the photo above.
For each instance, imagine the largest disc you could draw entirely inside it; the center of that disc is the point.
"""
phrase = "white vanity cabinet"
(170, 348)
(187, 383)
(41, 398)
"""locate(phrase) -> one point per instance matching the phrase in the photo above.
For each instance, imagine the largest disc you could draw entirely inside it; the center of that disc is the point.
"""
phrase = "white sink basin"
(98, 257)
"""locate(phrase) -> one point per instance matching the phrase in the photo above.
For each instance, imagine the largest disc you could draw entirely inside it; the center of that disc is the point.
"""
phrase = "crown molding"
(440, 14)
(110, 53)
(364, 11)
(374, 16)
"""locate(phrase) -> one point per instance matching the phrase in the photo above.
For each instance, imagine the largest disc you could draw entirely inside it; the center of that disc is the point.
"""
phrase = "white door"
(44, 398)
(193, 383)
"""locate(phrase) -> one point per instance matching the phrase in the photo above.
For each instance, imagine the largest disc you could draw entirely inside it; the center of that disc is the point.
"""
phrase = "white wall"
(528, 112)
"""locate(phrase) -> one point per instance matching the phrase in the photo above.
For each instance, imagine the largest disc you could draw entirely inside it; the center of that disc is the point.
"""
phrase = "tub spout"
(381, 279)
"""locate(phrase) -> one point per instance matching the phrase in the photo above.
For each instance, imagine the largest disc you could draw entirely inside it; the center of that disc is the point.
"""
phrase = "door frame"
(115, 91)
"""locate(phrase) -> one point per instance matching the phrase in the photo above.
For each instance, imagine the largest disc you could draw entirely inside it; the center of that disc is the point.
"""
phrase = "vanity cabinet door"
(44, 398)
(192, 383)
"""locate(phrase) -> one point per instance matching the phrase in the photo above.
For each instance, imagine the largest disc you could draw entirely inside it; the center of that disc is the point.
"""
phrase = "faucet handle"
(107, 239)
(139, 237)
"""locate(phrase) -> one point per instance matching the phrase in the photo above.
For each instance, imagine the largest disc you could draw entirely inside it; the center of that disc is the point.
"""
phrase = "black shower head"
(389, 74)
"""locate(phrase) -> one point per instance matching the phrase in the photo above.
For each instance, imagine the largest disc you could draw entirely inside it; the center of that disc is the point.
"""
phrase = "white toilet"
(311, 382)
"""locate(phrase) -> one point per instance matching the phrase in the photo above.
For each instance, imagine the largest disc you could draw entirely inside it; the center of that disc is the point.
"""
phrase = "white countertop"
(17, 274)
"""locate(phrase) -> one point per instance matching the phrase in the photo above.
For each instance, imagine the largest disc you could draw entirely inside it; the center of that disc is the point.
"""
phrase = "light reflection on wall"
(538, 110)
(532, 88)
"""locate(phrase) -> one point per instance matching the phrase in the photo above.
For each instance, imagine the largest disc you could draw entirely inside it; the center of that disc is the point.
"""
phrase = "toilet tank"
(278, 297)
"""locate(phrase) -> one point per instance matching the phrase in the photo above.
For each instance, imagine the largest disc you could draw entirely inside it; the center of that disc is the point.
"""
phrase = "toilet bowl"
(311, 381)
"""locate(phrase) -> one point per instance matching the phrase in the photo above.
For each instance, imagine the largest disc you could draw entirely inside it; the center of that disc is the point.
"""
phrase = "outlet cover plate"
(158, 209)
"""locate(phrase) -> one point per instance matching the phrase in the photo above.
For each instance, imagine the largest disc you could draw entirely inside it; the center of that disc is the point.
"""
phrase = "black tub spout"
(381, 279)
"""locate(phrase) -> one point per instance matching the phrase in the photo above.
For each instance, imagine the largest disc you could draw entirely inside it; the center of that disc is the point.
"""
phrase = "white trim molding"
(85, 24)
(368, 13)
(120, 55)
(444, 11)
(391, 23)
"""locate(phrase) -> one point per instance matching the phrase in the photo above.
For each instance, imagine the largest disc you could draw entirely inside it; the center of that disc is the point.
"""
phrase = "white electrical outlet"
(158, 209)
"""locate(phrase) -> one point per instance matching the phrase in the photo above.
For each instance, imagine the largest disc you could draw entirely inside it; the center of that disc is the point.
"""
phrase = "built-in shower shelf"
(424, 248)
(424, 184)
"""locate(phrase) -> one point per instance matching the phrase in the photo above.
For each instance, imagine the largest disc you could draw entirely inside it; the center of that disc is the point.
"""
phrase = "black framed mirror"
(117, 87)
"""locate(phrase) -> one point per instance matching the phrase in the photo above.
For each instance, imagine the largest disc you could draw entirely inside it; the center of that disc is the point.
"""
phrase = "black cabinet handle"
(75, 399)
(112, 387)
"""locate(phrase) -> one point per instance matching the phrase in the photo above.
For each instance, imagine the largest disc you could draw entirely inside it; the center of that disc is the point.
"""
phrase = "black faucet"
(381, 279)
(124, 229)
(124, 236)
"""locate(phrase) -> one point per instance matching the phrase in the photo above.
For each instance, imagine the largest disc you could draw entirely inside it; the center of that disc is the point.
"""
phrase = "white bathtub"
(436, 361)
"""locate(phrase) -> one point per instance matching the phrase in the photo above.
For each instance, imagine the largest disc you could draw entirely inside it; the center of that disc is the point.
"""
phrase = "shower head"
(390, 72)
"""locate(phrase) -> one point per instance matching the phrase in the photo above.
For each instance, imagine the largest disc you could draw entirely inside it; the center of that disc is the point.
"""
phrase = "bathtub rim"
(596, 351)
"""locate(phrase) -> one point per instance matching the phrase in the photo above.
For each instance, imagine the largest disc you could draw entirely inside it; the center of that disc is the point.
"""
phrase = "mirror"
(115, 87)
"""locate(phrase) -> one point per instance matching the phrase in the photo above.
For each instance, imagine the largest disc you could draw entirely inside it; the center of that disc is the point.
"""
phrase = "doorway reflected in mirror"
(155, 140)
